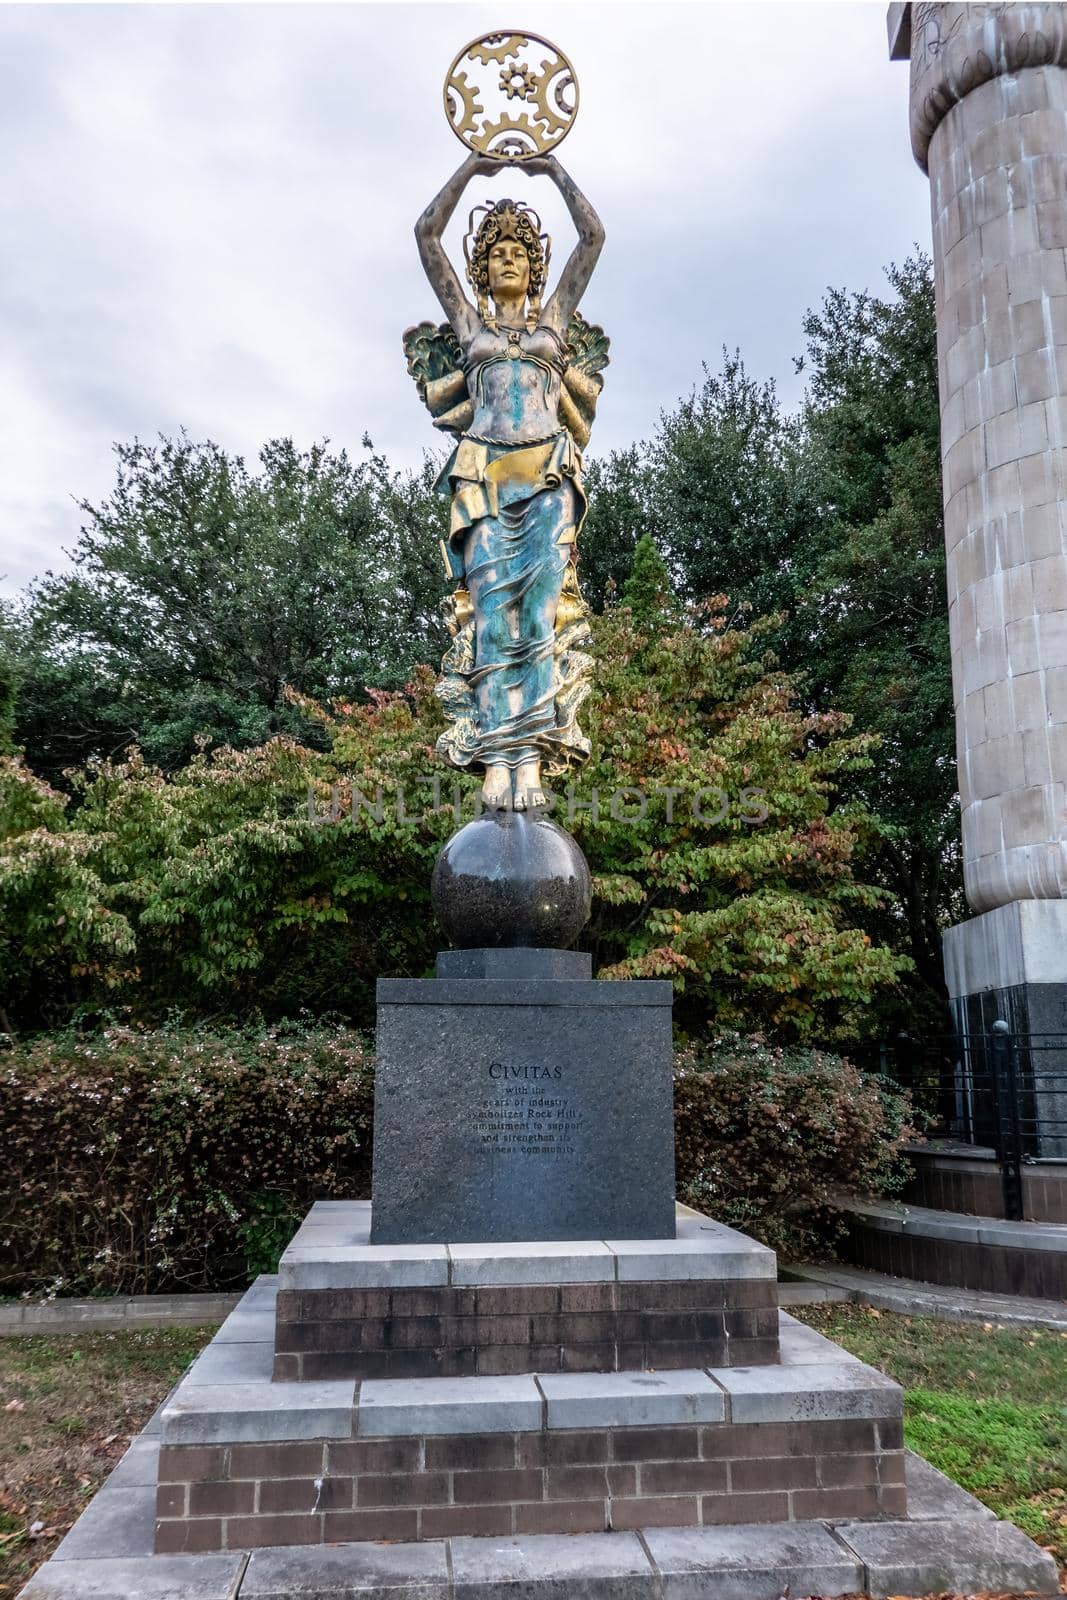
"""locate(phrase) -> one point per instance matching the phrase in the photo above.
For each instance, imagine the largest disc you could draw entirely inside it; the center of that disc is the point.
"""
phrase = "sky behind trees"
(207, 216)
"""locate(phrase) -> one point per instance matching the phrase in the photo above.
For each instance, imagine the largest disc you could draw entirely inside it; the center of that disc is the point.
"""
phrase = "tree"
(718, 858)
(202, 591)
(876, 609)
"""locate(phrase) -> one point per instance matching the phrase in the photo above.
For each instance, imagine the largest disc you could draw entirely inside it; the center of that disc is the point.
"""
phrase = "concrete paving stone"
(1025, 1235)
(937, 1557)
(153, 1428)
(630, 1399)
(886, 1214)
(939, 1300)
(759, 1562)
(934, 1498)
(332, 1208)
(247, 1327)
(599, 1566)
(659, 1260)
(367, 1266)
(823, 1391)
(801, 1346)
(258, 1412)
(542, 1261)
(208, 1577)
(138, 1468)
(116, 1522)
(232, 1363)
(404, 1406)
(810, 1294)
(392, 1571)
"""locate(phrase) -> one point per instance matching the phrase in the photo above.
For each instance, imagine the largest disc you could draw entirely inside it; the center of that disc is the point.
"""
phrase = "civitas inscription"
(527, 1112)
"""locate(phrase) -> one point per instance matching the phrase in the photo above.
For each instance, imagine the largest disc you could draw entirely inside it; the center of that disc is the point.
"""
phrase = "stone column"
(988, 113)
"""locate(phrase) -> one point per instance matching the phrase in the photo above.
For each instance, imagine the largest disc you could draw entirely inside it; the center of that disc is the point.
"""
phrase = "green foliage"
(138, 1160)
(829, 524)
(223, 895)
(175, 1159)
(202, 591)
(876, 608)
(768, 1138)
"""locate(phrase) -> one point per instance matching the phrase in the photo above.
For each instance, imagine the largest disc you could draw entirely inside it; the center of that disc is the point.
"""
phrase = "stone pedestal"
(522, 1105)
(1011, 965)
(351, 1309)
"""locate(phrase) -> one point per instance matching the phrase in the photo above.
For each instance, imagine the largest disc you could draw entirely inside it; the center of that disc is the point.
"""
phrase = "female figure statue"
(518, 385)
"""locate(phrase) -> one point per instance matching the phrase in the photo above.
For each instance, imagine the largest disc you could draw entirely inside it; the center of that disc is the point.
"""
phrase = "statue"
(515, 378)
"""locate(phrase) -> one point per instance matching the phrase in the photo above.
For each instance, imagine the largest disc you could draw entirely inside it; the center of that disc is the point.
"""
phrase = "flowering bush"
(173, 1160)
(768, 1138)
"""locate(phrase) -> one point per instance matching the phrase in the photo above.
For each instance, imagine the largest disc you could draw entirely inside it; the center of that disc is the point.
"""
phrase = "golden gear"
(517, 138)
(519, 83)
(561, 75)
(532, 74)
(490, 50)
(472, 106)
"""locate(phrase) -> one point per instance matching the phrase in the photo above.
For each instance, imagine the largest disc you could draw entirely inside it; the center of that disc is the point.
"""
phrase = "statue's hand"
(540, 166)
(477, 166)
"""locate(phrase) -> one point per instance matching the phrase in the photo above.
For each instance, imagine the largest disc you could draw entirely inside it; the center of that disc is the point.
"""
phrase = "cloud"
(207, 215)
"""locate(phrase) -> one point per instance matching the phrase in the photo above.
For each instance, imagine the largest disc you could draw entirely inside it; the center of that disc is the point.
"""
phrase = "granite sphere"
(511, 878)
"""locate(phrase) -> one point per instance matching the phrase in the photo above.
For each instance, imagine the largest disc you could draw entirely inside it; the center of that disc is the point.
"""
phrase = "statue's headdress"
(506, 219)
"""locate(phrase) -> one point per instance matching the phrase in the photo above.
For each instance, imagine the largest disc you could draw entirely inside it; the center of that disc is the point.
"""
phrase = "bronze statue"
(515, 378)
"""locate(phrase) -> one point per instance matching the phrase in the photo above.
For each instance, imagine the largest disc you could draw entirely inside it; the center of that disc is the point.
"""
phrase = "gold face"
(509, 269)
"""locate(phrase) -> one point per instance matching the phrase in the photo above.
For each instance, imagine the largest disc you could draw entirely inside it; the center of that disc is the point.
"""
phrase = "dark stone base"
(449, 1332)
(969, 1180)
(991, 1268)
(522, 1109)
(1010, 965)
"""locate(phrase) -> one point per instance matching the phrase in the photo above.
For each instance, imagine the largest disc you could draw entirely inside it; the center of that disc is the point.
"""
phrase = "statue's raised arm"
(429, 231)
(574, 279)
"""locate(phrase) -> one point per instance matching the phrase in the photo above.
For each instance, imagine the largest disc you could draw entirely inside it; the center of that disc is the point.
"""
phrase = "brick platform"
(349, 1309)
(248, 1461)
(218, 1497)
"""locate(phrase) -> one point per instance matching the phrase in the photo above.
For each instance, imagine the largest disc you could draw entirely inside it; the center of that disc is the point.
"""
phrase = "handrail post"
(1004, 1058)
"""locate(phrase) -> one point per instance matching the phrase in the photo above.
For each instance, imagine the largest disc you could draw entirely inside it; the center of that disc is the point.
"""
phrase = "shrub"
(178, 1159)
(173, 1160)
(767, 1137)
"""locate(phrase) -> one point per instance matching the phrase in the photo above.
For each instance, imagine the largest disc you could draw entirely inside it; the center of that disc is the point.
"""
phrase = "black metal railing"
(996, 1089)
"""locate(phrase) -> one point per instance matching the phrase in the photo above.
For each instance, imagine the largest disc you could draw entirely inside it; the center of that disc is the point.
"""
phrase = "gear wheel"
(519, 83)
(517, 138)
(472, 106)
(491, 50)
(560, 75)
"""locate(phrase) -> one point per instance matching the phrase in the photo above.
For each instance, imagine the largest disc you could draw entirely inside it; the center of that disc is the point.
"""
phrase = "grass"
(986, 1405)
(68, 1408)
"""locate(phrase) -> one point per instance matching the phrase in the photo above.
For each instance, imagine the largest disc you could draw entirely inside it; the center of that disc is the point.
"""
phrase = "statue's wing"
(435, 361)
(587, 356)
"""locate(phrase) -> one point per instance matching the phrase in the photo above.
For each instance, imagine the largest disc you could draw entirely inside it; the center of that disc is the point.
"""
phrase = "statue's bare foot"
(529, 799)
(529, 794)
(496, 790)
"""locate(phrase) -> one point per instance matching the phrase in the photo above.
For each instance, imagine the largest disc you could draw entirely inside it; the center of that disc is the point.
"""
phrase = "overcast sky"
(206, 215)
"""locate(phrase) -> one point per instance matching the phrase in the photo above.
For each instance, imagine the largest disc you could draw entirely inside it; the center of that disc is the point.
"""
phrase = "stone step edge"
(815, 1378)
(744, 1562)
(332, 1250)
(911, 1297)
(925, 1222)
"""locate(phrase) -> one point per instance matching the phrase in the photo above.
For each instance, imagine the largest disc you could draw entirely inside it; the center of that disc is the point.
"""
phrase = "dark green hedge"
(136, 1162)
